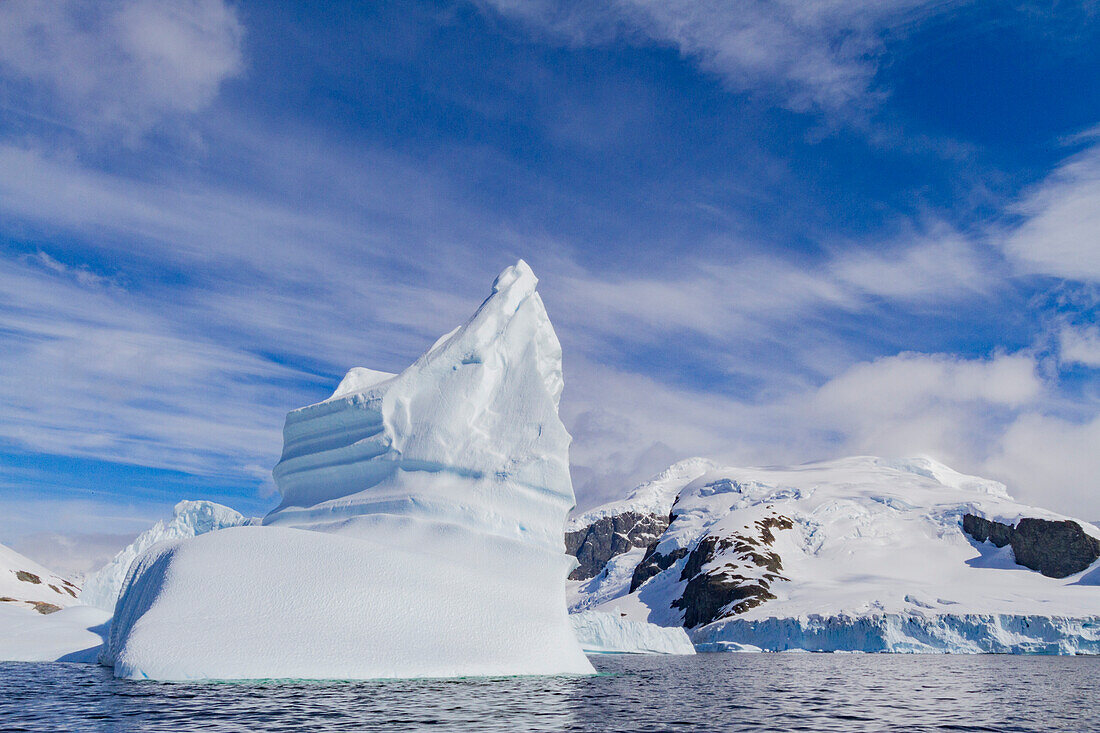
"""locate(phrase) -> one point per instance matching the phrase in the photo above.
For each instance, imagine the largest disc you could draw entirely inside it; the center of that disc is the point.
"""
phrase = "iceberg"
(608, 633)
(419, 532)
(190, 519)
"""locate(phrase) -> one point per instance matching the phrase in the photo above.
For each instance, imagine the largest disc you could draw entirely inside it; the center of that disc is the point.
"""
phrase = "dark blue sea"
(708, 692)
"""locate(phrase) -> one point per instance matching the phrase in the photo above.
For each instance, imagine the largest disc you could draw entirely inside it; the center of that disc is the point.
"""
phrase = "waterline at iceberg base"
(977, 633)
(419, 534)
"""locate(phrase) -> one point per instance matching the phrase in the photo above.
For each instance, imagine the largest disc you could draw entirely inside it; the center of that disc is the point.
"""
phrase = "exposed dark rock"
(69, 590)
(1055, 549)
(725, 591)
(55, 589)
(984, 530)
(44, 608)
(653, 563)
(605, 538)
(7, 599)
(27, 577)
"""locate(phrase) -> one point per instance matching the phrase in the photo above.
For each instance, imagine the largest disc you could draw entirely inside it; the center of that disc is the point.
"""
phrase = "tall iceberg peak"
(468, 434)
(419, 534)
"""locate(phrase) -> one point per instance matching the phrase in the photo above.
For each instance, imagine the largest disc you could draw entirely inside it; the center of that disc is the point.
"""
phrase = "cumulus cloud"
(117, 64)
(812, 54)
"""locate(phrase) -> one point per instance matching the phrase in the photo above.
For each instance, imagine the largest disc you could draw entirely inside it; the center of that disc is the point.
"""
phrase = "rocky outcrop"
(742, 581)
(653, 563)
(1055, 549)
(607, 537)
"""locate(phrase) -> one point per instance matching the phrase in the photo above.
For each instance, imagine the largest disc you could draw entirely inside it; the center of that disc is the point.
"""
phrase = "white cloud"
(983, 416)
(812, 53)
(1079, 346)
(1053, 462)
(1060, 233)
(117, 64)
(934, 404)
(934, 264)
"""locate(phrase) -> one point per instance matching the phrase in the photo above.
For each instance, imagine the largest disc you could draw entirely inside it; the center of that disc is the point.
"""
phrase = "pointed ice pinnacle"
(468, 434)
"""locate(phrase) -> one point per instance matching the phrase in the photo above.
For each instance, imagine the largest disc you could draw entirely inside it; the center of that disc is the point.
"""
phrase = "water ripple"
(712, 692)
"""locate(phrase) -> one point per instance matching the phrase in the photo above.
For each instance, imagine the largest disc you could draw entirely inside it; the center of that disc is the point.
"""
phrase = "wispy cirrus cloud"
(1059, 229)
(810, 54)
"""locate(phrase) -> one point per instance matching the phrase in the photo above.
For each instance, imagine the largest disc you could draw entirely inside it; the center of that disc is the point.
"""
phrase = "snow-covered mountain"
(27, 585)
(420, 531)
(190, 519)
(859, 553)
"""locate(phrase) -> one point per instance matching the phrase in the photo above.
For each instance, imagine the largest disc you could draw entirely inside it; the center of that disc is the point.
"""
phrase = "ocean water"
(707, 692)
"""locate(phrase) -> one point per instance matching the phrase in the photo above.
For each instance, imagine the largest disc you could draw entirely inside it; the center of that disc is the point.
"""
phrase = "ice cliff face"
(609, 633)
(859, 538)
(25, 584)
(420, 531)
(190, 519)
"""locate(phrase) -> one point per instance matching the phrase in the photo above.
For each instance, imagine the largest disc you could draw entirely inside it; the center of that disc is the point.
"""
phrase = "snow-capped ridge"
(654, 496)
(27, 585)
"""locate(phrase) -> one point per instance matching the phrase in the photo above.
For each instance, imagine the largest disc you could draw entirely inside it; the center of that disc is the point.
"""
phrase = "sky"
(766, 233)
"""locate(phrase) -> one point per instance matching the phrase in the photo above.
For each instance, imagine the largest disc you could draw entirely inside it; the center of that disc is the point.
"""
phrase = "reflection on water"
(735, 692)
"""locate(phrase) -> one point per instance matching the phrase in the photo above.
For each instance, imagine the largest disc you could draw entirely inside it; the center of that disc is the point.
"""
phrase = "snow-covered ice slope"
(190, 519)
(73, 634)
(40, 619)
(608, 633)
(420, 532)
(29, 586)
(865, 553)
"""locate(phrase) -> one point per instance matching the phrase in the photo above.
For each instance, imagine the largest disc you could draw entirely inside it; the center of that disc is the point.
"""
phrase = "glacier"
(608, 633)
(419, 531)
(940, 633)
(190, 519)
(855, 554)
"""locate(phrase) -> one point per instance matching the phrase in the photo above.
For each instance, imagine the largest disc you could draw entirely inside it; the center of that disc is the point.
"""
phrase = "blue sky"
(767, 232)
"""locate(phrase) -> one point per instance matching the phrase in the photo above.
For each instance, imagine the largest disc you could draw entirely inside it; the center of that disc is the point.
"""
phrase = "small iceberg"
(608, 633)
